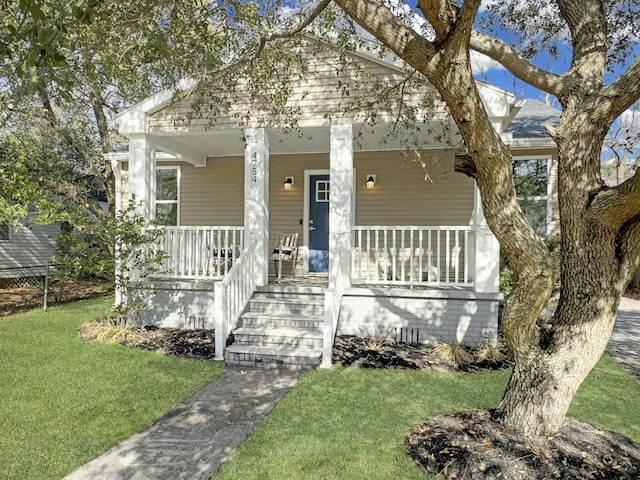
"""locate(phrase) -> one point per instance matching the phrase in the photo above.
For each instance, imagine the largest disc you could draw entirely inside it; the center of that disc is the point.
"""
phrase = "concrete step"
(290, 358)
(290, 292)
(281, 320)
(287, 305)
(308, 338)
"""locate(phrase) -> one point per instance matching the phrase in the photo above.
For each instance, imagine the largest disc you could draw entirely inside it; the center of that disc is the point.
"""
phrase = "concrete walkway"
(193, 439)
(624, 344)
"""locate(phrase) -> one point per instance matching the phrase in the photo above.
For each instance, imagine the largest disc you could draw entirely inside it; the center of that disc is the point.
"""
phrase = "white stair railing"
(412, 255)
(231, 295)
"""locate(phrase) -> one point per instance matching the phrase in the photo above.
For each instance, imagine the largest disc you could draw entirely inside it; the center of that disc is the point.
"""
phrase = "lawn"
(350, 423)
(65, 400)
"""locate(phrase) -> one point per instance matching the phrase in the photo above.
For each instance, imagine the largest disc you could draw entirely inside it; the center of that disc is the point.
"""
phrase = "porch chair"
(219, 260)
(286, 250)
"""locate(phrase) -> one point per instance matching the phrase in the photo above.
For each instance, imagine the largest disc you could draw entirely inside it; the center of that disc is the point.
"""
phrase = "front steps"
(282, 328)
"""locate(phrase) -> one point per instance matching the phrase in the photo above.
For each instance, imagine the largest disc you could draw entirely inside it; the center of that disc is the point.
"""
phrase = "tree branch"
(524, 70)
(587, 22)
(616, 206)
(381, 23)
(629, 250)
(441, 15)
(625, 91)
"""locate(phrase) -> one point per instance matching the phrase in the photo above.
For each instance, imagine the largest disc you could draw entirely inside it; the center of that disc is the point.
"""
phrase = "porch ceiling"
(195, 147)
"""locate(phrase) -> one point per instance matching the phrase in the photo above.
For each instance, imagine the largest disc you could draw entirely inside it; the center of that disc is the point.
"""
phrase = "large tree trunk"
(544, 383)
(542, 386)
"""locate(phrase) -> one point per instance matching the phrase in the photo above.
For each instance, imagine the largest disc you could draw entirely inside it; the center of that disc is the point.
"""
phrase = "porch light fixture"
(288, 181)
(371, 181)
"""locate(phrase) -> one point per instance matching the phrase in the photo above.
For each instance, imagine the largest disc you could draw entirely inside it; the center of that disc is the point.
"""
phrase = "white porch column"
(256, 199)
(142, 173)
(486, 258)
(341, 204)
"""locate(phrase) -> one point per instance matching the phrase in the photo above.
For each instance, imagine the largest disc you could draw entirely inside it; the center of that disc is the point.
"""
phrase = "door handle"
(312, 228)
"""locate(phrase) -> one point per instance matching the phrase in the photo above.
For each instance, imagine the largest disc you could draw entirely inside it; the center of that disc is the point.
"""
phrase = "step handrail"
(231, 296)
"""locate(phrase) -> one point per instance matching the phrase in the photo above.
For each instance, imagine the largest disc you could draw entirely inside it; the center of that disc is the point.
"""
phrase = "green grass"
(350, 423)
(65, 401)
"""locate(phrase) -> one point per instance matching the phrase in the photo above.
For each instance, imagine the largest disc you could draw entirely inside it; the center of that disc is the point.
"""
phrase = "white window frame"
(538, 198)
(166, 202)
(9, 232)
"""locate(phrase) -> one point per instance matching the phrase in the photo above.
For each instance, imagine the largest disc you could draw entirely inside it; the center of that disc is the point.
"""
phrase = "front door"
(319, 223)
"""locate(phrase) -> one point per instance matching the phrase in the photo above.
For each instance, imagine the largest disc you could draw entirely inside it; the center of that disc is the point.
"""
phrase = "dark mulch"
(175, 342)
(474, 445)
(351, 351)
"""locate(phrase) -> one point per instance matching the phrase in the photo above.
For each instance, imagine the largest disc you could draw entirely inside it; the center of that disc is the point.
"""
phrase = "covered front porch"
(439, 280)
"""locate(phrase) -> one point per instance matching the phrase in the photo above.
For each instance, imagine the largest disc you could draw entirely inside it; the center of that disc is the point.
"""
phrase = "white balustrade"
(231, 296)
(199, 252)
(412, 255)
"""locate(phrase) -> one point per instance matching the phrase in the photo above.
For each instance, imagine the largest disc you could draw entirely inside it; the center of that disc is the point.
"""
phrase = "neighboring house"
(382, 250)
(25, 252)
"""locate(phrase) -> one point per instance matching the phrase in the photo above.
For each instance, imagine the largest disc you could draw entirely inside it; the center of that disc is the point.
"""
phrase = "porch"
(439, 281)
(406, 283)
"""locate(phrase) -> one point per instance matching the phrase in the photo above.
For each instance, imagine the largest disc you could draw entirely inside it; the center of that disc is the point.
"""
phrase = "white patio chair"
(286, 250)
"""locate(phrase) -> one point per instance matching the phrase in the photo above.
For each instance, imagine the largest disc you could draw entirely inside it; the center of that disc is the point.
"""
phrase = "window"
(5, 232)
(531, 177)
(168, 195)
(322, 190)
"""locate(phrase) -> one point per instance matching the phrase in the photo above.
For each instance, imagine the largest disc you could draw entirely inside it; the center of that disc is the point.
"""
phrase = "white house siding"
(28, 251)
(402, 196)
(428, 317)
(173, 304)
(213, 195)
(317, 99)
(423, 316)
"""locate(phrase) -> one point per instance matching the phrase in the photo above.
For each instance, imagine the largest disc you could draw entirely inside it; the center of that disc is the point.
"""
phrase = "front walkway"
(624, 345)
(193, 439)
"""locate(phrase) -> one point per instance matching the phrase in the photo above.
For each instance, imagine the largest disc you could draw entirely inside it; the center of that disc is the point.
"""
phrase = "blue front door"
(319, 223)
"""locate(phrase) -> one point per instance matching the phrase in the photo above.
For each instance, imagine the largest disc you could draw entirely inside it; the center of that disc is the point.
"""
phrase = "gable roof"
(528, 125)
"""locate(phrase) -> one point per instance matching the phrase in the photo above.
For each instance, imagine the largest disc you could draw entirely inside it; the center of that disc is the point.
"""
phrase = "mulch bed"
(350, 351)
(474, 445)
(175, 342)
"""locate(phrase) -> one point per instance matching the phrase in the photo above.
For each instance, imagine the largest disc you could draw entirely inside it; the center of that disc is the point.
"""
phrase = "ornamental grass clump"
(455, 355)
(113, 328)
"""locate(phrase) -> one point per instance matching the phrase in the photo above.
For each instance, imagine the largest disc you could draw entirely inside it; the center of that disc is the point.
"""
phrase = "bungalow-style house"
(386, 243)
(25, 252)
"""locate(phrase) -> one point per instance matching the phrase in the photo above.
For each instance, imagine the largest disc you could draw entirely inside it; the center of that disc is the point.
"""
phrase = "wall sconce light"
(371, 181)
(288, 181)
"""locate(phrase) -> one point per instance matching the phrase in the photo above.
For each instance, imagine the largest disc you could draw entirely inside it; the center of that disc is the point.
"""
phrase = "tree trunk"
(542, 387)
(545, 381)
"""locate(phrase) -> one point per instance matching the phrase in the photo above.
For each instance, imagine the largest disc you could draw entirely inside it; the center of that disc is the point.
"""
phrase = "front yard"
(65, 400)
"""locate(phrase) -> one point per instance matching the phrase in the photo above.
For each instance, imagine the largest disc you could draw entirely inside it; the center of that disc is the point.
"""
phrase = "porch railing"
(199, 252)
(412, 255)
(231, 296)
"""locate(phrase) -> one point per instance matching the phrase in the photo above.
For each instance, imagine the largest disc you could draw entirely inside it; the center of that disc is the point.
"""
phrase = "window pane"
(530, 177)
(167, 184)
(4, 231)
(167, 213)
(536, 213)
